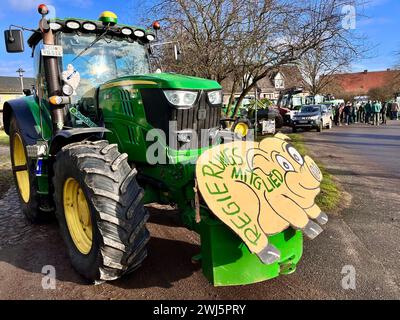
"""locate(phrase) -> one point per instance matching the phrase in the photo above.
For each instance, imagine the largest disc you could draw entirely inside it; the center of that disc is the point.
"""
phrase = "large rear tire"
(36, 208)
(99, 209)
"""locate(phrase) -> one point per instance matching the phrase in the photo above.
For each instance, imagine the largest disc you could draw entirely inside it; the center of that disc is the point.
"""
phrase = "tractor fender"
(22, 111)
(64, 137)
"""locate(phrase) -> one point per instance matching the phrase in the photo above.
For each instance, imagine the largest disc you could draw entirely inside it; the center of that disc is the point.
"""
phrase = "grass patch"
(329, 197)
(3, 138)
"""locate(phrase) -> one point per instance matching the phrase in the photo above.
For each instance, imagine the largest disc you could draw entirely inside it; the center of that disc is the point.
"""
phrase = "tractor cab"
(89, 53)
(102, 61)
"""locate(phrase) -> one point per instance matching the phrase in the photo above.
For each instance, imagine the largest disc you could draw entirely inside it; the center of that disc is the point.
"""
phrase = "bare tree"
(384, 93)
(249, 39)
(319, 65)
(397, 65)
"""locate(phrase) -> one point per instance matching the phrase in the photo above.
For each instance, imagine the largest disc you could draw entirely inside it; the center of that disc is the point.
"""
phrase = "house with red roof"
(360, 83)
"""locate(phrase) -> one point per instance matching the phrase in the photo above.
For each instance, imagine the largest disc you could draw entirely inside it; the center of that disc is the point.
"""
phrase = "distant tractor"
(80, 150)
(252, 115)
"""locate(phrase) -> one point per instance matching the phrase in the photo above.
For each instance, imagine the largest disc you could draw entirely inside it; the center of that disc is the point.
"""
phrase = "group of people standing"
(371, 112)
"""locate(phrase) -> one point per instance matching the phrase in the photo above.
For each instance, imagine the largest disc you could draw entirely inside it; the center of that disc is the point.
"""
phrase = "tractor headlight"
(89, 26)
(180, 98)
(55, 26)
(150, 37)
(74, 25)
(215, 97)
(126, 31)
(139, 33)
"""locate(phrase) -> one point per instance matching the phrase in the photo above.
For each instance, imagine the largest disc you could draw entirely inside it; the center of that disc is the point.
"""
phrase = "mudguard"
(64, 137)
(26, 112)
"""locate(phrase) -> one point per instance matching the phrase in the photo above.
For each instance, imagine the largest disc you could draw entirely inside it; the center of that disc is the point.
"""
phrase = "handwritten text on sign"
(259, 189)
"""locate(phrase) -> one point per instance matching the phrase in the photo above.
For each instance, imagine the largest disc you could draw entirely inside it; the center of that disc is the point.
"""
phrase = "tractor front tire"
(99, 209)
(35, 208)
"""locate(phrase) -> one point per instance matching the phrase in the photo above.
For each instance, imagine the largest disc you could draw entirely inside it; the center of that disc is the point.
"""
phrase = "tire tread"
(121, 217)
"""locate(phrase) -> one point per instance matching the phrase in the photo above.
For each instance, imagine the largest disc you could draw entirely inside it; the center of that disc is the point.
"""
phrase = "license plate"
(303, 121)
(52, 51)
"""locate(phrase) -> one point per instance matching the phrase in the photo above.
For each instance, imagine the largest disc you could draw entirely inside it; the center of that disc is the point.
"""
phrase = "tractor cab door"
(41, 92)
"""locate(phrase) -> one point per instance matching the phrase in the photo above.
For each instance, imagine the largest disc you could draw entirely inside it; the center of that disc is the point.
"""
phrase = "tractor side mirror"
(27, 92)
(14, 41)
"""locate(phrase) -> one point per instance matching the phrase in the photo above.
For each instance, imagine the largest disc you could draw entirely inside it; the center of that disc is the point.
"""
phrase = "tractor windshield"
(109, 58)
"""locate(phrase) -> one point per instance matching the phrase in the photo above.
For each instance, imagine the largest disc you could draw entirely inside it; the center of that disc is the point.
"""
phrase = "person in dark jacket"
(361, 113)
(347, 113)
(384, 112)
(336, 115)
(368, 112)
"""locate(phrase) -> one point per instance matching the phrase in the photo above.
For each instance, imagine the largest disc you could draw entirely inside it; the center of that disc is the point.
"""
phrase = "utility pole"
(20, 72)
(255, 113)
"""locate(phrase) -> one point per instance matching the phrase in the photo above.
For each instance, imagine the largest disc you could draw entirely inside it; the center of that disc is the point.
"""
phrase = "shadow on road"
(168, 260)
(163, 217)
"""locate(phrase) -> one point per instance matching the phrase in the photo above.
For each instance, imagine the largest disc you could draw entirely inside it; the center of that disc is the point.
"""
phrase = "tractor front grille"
(159, 112)
(201, 116)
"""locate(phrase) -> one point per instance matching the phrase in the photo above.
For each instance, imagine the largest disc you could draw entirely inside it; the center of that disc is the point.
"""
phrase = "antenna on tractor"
(156, 26)
(43, 25)
(43, 10)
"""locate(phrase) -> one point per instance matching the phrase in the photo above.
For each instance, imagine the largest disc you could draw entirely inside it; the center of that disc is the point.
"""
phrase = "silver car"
(309, 117)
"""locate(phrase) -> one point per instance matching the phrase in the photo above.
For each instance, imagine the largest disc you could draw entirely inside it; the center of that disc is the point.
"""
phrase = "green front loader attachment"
(227, 261)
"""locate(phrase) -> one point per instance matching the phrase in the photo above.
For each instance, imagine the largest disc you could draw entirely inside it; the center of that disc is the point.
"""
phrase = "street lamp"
(20, 72)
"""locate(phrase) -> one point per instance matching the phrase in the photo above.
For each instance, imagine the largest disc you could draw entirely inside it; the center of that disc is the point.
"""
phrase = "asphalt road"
(364, 235)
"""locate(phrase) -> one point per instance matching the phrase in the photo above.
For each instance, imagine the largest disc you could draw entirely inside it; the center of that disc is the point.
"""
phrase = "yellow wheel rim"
(19, 159)
(242, 129)
(77, 215)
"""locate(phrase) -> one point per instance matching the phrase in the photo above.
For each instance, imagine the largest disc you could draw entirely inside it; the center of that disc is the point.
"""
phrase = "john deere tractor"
(82, 145)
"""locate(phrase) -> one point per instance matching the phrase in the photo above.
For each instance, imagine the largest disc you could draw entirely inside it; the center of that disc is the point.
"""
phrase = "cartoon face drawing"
(260, 189)
(301, 179)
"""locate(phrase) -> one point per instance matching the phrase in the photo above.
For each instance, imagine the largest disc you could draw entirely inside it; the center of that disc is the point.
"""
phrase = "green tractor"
(84, 149)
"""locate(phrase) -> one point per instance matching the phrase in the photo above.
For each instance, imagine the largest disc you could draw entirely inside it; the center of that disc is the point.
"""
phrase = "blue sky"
(379, 21)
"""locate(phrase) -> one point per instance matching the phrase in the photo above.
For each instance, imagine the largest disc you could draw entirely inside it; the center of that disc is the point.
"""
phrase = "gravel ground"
(5, 170)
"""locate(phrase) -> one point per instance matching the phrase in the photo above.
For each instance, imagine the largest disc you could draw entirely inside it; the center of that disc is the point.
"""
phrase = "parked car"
(312, 117)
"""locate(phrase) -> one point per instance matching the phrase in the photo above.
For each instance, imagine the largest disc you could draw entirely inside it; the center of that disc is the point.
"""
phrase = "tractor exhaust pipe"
(51, 71)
